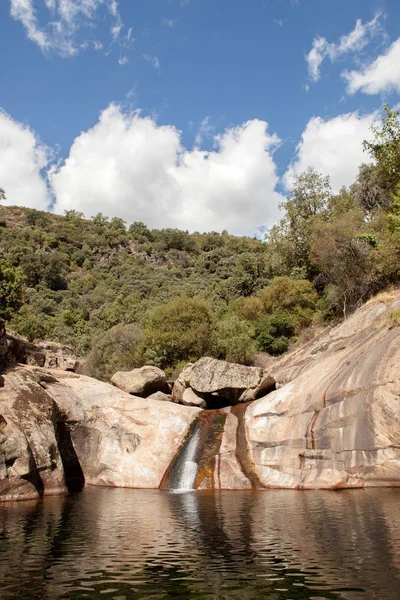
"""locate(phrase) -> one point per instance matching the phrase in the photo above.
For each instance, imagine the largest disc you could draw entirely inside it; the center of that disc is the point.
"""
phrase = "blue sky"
(236, 98)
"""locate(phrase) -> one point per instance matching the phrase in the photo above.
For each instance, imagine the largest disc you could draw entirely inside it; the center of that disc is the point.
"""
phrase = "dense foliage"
(124, 296)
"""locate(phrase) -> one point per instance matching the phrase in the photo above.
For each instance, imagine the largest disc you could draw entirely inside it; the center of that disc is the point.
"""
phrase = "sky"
(196, 114)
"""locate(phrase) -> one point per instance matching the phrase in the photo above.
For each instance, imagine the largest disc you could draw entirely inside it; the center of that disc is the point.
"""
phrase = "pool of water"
(135, 544)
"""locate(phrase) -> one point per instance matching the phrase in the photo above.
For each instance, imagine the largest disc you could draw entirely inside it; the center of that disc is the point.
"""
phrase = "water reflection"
(135, 544)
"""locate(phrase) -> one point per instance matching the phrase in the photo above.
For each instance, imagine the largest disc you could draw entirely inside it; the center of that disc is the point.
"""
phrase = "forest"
(122, 296)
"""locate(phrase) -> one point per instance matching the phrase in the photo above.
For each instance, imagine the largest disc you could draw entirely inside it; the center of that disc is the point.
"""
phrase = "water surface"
(133, 544)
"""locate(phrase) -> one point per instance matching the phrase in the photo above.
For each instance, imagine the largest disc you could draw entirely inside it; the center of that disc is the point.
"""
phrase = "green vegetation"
(11, 289)
(124, 296)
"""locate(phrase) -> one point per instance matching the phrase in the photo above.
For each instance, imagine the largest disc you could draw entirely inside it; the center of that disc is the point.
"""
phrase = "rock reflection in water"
(136, 544)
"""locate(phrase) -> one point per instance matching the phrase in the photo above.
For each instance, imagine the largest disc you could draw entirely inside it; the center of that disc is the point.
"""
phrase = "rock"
(30, 461)
(82, 430)
(3, 343)
(40, 354)
(43, 376)
(236, 383)
(120, 440)
(178, 391)
(141, 382)
(334, 421)
(189, 398)
(160, 397)
(181, 383)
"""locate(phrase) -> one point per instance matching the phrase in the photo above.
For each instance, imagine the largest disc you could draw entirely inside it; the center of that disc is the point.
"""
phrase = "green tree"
(368, 192)
(178, 331)
(297, 296)
(11, 289)
(249, 308)
(394, 213)
(113, 350)
(249, 273)
(290, 240)
(273, 332)
(342, 255)
(2, 195)
(233, 340)
(385, 148)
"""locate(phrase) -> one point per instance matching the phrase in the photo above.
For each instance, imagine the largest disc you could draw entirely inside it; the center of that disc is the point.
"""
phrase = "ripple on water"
(137, 544)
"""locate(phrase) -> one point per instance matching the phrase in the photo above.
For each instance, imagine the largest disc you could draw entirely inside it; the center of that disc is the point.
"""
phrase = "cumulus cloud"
(67, 26)
(382, 75)
(332, 147)
(128, 165)
(22, 160)
(354, 41)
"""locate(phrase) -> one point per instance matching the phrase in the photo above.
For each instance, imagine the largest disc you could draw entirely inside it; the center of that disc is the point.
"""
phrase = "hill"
(125, 296)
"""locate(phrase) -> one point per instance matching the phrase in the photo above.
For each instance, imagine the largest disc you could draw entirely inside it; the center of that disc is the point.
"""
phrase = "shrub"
(249, 308)
(31, 325)
(233, 340)
(114, 350)
(272, 332)
(394, 319)
(178, 331)
(286, 293)
(11, 289)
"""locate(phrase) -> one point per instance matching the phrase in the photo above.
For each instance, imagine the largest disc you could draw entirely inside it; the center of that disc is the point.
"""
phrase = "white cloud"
(205, 130)
(68, 26)
(168, 22)
(153, 59)
(355, 41)
(332, 147)
(22, 159)
(127, 165)
(382, 75)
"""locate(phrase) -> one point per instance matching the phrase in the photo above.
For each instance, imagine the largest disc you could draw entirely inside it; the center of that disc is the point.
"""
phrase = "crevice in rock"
(33, 477)
(242, 450)
(74, 478)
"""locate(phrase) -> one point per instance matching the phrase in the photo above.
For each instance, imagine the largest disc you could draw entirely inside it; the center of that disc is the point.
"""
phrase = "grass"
(393, 319)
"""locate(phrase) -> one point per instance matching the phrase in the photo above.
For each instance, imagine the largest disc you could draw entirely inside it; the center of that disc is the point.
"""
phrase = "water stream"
(183, 474)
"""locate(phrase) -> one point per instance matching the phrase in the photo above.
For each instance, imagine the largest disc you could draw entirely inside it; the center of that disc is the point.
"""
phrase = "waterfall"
(184, 471)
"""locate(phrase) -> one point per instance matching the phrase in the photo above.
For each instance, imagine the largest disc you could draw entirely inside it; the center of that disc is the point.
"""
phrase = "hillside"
(124, 296)
(86, 276)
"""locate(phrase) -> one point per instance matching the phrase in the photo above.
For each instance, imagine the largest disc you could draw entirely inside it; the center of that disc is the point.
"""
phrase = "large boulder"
(30, 461)
(141, 382)
(120, 440)
(236, 383)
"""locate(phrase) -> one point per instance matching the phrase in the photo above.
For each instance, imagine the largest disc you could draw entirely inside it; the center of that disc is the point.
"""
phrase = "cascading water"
(197, 464)
(183, 474)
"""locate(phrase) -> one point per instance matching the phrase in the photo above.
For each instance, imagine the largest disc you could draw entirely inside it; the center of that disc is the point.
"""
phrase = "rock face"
(141, 382)
(30, 459)
(333, 422)
(41, 354)
(59, 430)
